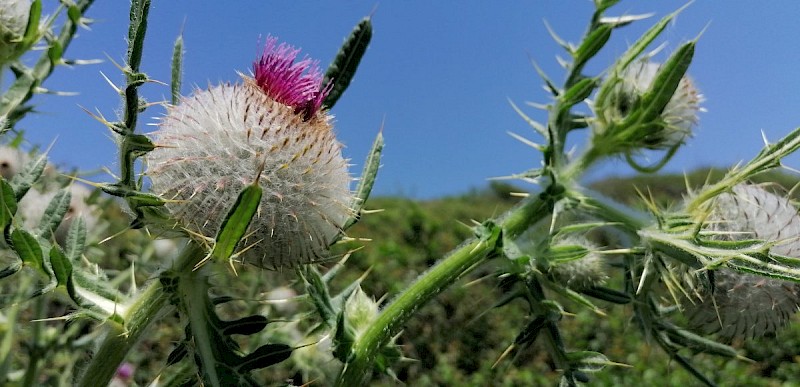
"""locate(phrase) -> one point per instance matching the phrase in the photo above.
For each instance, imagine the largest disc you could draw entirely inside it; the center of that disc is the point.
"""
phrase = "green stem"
(460, 261)
(31, 371)
(120, 339)
(23, 88)
(193, 291)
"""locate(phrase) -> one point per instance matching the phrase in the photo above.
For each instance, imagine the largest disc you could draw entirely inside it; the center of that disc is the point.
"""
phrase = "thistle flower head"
(270, 129)
(746, 305)
(13, 22)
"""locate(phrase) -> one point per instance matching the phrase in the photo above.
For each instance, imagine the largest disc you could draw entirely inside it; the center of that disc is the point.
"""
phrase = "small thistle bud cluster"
(676, 120)
(359, 310)
(270, 129)
(13, 22)
(746, 305)
(581, 273)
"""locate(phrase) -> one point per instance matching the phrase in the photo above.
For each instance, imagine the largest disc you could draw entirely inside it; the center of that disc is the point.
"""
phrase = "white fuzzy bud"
(580, 273)
(12, 161)
(13, 22)
(679, 115)
(746, 305)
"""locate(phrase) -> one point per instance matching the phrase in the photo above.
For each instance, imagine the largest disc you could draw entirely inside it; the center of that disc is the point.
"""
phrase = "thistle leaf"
(344, 66)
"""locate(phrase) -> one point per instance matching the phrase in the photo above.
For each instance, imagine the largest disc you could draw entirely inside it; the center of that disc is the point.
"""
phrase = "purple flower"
(288, 82)
(125, 371)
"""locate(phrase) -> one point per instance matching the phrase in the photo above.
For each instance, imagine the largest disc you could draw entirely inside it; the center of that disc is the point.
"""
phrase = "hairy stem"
(147, 308)
(459, 262)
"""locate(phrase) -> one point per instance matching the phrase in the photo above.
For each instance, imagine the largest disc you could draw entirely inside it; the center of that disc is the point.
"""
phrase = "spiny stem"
(146, 309)
(459, 262)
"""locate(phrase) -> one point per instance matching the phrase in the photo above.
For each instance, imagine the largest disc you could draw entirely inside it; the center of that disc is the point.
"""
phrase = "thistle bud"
(746, 305)
(584, 268)
(12, 161)
(270, 129)
(672, 127)
(13, 22)
(360, 309)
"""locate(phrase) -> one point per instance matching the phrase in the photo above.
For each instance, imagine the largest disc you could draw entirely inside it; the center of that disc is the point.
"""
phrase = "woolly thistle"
(746, 305)
(270, 129)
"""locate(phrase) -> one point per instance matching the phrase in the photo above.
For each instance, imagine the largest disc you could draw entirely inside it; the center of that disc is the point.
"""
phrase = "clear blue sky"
(440, 73)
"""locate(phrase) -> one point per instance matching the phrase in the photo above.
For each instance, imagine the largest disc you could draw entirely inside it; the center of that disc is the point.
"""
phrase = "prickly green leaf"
(54, 213)
(136, 32)
(265, 356)
(344, 66)
(32, 29)
(235, 223)
(591, 45)
(587, 361)
(245, 326)
(8, 204)
(565, 253)
(530, 332)
(177, 70)
(11, 269)
(696, 342)
(577, 93)
(634, 52)
(23, 181)
(344, 338)
(607, 294)
(55, 52)
(62, 267)
(74, 14)
(367, 180)
(667, 80)
(28, 249)
(76, 239)
(317, 291)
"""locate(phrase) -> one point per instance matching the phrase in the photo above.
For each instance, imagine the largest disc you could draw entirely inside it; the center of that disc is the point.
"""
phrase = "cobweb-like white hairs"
(746, 305)
(213, 144)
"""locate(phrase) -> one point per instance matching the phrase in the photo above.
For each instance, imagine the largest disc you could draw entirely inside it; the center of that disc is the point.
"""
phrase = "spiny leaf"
(23, 181)
(177, 69)
(344, 66)
(367, 180)
(8, 203)
(28, 249)
(54, 213)
(236, 222)
(76, 239)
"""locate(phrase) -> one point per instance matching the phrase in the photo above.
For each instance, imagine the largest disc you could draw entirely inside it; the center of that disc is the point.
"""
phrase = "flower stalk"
(146, 309)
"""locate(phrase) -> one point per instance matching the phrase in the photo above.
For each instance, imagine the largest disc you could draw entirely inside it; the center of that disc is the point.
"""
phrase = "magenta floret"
(298, 85)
